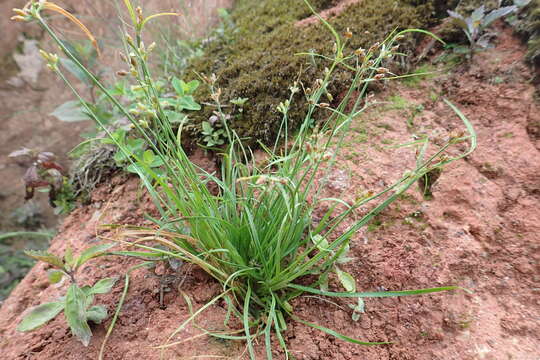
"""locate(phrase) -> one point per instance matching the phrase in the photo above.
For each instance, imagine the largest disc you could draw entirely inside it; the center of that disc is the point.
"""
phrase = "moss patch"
(528, 26)
(259, 63)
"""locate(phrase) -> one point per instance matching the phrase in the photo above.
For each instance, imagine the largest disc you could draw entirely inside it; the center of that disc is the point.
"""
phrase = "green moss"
(397, 103)
(258, 61)
(528, 26)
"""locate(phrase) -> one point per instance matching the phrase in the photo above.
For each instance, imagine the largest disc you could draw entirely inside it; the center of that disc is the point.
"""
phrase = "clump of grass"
(256, 234)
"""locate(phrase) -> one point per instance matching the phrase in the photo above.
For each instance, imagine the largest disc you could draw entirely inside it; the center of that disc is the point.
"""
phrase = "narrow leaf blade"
(338, 335)
(92, 252)
(374, 294)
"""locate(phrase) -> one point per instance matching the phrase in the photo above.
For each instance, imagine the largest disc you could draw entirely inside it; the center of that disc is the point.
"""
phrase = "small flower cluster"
(316, 150)
(26, 13)
(51, 59)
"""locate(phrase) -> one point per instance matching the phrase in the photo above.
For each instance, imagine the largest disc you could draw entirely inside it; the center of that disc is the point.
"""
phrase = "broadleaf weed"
(77, 303)
(475, 26)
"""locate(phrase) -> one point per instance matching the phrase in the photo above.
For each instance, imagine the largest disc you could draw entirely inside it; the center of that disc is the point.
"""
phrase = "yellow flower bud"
(18, 18)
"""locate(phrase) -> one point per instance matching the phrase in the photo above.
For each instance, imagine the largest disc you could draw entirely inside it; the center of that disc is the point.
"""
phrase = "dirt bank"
(480, 231)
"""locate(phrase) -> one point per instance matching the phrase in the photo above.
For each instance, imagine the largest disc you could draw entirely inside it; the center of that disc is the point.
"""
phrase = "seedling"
(212, 136)
(77, 303)
(475, 27)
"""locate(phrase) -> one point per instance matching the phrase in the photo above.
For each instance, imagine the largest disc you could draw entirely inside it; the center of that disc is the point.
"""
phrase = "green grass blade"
(374, 294)
(338, 335)
(247, 303)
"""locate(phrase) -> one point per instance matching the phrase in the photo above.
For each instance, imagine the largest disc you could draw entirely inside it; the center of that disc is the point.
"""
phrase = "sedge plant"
(255, 234)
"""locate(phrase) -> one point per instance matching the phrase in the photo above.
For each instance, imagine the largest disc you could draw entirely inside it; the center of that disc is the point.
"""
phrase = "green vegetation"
(77, 303)
(259, 60)
(527, 24)
(475, 27)
(14, 263)
(46, 175)
(398, 103)
(254, 234)
(421, 73)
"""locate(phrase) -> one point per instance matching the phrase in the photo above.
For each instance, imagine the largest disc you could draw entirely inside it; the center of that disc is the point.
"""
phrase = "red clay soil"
(327, 13)
(480, 231)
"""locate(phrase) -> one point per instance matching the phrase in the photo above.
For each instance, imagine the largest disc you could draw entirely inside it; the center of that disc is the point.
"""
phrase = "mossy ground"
(528, 26)
(260, 60)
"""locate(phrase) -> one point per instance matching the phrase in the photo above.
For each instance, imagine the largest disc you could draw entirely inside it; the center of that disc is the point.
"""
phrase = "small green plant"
(414, 112)
(77, 303)
(212, 136)
(46, 174)
(239, 102)
(475, 27)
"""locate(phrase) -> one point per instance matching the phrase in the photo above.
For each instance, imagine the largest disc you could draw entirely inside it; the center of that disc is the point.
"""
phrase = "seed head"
(378, 76)
(326, 157)
(123, 57)
(139, 12)
(456, 134)
(129, 39)
(215, 96)
(330, 97)
(44, 54)
(294, 88)
(360, 52)
(121, 73)
(20, 12)
(374, 47)
(348, 34)
(18, 18)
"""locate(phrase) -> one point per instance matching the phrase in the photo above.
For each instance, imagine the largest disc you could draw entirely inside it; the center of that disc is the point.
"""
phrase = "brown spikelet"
(53, 7)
